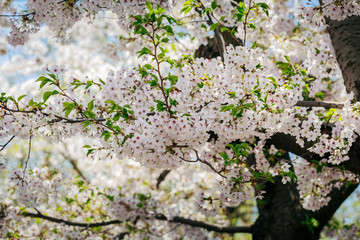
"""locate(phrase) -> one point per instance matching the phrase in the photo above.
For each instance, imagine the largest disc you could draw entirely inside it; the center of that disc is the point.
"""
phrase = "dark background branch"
(176, 219)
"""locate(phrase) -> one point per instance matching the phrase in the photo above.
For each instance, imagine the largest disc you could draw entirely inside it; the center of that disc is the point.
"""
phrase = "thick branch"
(288, 143)
(162, 177)
(338, 196)
(326, 105)
(186, 221)
(206, 226)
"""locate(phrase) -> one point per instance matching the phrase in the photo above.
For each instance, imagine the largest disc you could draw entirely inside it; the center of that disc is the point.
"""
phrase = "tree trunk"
(345, 37)
(281, 215)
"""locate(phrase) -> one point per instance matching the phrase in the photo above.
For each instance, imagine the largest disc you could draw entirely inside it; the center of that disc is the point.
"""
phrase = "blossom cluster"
(336, 10)
(62, 15)
(199, 119)
(316, 182)
(238, 100)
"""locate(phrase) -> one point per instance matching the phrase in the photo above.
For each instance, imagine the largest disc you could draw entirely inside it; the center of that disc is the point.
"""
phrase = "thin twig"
(208, 164)
(245, 21)
(69, 223)
(157, 69)
(17, 15)
(59, 118)
(198, 159)
(74, 164)
(28, 155)
(172, 229)
(4, 146)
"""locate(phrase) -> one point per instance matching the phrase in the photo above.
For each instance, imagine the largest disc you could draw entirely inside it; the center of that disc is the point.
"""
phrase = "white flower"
(285, 167)
(273, 173)
(286, 179)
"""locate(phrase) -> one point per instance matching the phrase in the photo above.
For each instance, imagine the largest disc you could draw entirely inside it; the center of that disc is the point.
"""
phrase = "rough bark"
(281, 213)
(345, 37)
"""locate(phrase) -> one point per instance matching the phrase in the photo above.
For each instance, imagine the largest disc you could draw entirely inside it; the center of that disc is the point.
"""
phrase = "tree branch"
(338, 196)
(69, 223)
(162, 177)
(288, 143)
(4, 146)
(73, 163)
(326, 105)
(28, 155)
(206, 226)
(176, 219)
(58, 117)
(17, 15)
(345, 37)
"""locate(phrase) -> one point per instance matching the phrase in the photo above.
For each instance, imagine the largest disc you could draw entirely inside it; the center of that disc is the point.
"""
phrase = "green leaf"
(149, 6)
(111, 198)
(254, 45)
(69, 200)
(91, 105)
(102, 82)
(89, 152)
(214, 4)
(140, 30)
(106, 135)
(53, 76)
(144, 51)
(232, 94)
(234, 111)
(214, 26)
(186, 9)
(264, 7)
(227, 108)
(165, 40)
(153, 83)
(320, 95)
(44, 81)
(160, 106)
(169, 30)
(68, 107)
(21, 97)
(49, 94)
(173, 102)
(224, 29)
(117, 116)
(242, 5)
(173, 79)
(111, 102)
(224, 156)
